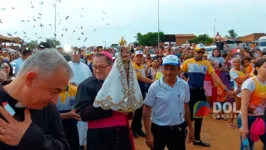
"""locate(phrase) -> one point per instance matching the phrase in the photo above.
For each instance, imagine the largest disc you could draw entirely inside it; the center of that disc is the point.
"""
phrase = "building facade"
(251, 37)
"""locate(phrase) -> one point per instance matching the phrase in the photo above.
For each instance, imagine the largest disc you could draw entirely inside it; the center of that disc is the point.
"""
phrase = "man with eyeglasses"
(107, 129)
(81, 72)
(195, 69)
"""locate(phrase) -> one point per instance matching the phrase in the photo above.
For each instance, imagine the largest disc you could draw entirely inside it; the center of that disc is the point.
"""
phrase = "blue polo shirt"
(168, 102)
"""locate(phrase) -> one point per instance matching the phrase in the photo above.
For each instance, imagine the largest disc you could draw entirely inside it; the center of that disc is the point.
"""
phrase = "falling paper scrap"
(81, 27)
(35, 33)
(41, 3)
(67, 17)
(85, 40)
(9, 34)
(103, 12)
(74, 31)
(94, 30)
(3, 8)
(32, 6)
(78, 38)
(107, 24)
(22, 21)
(82, 33)
(13, 8)
(24, 32)
(39, 18)
(40, 14)
(15, 32)
(62, 35)
(41, 25)
(1, 21)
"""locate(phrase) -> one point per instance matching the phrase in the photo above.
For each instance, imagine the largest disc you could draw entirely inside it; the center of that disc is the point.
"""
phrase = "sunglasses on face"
(75, 53)
(200, 52)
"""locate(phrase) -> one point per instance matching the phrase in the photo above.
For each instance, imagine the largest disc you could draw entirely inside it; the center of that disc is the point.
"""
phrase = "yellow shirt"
(140, 71)
(158, 75)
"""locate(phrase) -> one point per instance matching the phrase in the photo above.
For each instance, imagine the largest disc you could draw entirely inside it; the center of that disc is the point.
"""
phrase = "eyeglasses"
(200, 52)
(75, 53)
(99, 67)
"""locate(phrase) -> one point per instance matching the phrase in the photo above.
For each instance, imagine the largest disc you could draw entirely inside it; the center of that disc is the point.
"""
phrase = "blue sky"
(127, 17)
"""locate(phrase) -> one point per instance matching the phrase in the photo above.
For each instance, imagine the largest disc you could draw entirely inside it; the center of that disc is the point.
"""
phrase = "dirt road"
(216, 133)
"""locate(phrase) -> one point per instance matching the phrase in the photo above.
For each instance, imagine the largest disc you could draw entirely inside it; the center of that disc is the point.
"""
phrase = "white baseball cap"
(138, 53)
(171, 60)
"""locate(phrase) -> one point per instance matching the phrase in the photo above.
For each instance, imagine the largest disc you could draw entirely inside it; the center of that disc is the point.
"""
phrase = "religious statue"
(120, 90)
(122, 42)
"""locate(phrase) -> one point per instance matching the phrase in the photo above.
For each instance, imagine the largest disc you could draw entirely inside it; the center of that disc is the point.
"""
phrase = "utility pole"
(158, 24)
(214, 29)
(55, 20)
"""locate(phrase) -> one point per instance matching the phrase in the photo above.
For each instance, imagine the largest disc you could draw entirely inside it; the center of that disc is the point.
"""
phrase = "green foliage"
(149, 39)
(232, 34)
(53, 42)
(32, 44)
(204, 39)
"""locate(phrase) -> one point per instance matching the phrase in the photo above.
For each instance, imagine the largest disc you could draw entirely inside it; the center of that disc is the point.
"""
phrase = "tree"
(150, 38)
(232, 34)
(53, 42)
(32, 44)
(204, 39)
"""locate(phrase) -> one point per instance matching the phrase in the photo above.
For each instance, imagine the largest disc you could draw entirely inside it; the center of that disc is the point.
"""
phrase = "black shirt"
(44, 133)
(87, 92)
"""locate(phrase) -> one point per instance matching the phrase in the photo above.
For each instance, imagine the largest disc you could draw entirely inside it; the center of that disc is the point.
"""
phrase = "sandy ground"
(213, 131)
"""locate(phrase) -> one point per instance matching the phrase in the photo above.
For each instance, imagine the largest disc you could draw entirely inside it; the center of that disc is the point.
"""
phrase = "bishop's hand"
(11, 130)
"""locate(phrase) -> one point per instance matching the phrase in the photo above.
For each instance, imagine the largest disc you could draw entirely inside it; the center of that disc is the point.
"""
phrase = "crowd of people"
(171, 82)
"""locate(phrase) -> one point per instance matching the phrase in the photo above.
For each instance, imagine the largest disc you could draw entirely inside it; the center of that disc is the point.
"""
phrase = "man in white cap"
(167, 106)
(136, 125)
